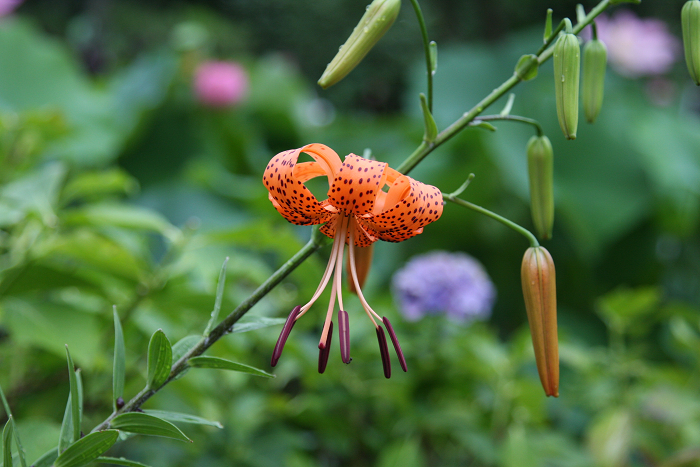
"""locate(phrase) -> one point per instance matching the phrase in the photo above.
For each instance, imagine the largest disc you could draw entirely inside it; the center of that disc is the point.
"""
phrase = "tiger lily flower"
(358, 212)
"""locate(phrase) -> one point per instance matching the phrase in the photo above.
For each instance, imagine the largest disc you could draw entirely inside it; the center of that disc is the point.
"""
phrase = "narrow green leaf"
(484, 125)
(120, 461)
(217, 303)
(431, 130)
(184, 345)
(65, 437)
(47, 459)
(183, 418)
(509, 105)
(433, 57)
(20, 448)
(548, 25)
(160, 359)
(257, 323)
(580, 13)
(119, 368)
(222, 364)
(7, 434)
(76, 410)
(87, 449)
(144, 424)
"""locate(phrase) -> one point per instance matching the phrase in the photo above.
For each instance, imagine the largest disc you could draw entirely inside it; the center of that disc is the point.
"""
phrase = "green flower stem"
(521, 230)
(224, 327)
(511, 118)
(458, 125)
(426, 48)
(551, 38)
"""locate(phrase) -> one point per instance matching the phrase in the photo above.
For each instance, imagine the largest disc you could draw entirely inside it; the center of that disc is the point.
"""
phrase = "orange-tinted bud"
(540, 292)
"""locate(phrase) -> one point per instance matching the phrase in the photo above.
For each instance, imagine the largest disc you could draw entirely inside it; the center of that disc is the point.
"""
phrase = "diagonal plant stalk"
(224, 327)
(458, 125)
(318, 240)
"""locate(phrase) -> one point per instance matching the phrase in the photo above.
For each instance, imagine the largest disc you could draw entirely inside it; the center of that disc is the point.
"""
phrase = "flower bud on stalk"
(690, 23)
(377, 20)
(539, 289)
(595, 56)
(540, 170)
(567, 69)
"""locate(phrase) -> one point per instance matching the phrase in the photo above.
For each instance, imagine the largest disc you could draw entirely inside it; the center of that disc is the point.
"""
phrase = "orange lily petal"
(356, 184)
(284, 179)
(416, 206)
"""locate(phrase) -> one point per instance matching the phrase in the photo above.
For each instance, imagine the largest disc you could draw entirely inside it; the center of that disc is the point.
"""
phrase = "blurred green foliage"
(118, 188)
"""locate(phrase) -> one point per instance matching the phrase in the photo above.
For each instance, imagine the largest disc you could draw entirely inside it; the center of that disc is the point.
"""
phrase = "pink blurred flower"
(220, 84)
(8, 6)
(637, 47)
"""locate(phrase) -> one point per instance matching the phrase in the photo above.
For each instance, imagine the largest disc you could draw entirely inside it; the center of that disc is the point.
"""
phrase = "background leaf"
(144, 424)
(87, 449)
(222, 364)
(119, 364)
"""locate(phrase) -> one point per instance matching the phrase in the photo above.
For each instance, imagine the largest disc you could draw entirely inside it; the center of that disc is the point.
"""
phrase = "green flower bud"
(540, 170)
(690, 23)
(377, 20)
(595, 56)
(567, 68)
(540, 292)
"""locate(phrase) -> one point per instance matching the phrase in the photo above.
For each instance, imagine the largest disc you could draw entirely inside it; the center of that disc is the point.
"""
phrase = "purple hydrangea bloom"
(444, 282)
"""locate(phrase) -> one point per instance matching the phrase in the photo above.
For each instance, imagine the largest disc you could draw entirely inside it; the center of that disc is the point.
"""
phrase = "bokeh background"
(130, 167)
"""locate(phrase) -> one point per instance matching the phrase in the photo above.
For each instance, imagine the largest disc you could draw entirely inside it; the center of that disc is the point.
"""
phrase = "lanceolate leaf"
(219, 296)
(160, 359)
(120, 461)
(119, 368)
(66, 435)
(76, 410)
(20, 448)
(183, 418)
(257, 323)
(87, 449)
(184, 345)
(7, 434)
(222, 364)
(144, 424)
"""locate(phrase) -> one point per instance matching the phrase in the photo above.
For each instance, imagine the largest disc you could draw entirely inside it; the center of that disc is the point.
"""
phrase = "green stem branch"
(223, 328)
(508, 223)
(426, 49)
(458, 125)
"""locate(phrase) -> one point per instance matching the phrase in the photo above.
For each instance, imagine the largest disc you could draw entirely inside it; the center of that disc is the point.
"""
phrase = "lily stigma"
(357, 212)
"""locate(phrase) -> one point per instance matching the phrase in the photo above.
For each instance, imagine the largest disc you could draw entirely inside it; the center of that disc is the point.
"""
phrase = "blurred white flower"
(637, 47)
(220, 84)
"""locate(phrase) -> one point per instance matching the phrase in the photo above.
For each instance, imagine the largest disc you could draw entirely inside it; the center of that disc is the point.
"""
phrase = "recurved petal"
(356, 184)
(409, 205)
(285, 179)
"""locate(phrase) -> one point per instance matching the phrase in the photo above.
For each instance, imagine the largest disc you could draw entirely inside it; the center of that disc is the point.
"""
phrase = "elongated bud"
(540, 292)
(595, 58)
(690, 23)
(540, 170)
(567, 69)
(377, 20)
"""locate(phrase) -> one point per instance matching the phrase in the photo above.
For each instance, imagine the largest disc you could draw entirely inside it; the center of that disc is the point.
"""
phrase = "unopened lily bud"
(595, 57)
(540, 171)
(567, 69)
(690, 23)
(377, 20)
(540, 292)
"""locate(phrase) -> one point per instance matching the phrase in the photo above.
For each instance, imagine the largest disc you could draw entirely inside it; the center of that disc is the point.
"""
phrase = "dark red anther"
(324, 349)
(384, 350)
(344, 329)
(395, 341)
(282, 339)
